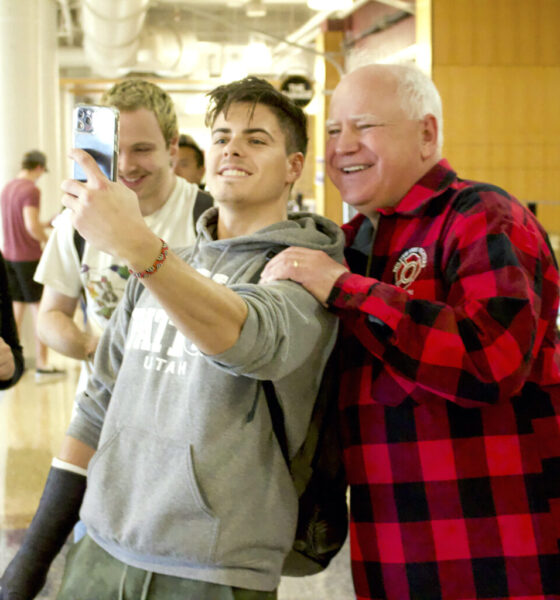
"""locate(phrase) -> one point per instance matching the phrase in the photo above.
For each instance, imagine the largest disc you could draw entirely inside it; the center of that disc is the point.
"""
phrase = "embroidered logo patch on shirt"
(408, 266)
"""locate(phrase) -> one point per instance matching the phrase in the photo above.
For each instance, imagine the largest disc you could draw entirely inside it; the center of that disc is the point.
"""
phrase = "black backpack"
(319, 479)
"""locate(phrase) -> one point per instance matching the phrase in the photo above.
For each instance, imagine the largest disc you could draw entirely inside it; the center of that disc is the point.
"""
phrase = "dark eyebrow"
(143, 144)
(221, 130)
(257, 130)
(248, 131)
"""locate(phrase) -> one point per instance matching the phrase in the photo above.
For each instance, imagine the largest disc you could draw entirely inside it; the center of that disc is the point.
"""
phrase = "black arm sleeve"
(56, 515)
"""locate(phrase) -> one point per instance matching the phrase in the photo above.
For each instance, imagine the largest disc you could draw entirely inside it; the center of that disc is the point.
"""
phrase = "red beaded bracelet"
(157, 264)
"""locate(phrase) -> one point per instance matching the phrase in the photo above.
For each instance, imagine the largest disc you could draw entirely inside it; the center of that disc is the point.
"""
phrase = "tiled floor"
(33, 420)
(334, 583)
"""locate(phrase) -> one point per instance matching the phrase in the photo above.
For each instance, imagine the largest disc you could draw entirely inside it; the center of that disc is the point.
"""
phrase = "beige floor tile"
(33, 420)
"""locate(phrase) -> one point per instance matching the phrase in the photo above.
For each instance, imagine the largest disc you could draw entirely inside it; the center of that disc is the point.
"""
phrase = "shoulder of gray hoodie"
(286, 338)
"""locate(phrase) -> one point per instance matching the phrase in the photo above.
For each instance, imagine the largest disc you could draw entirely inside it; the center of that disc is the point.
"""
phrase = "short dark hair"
(258, 91)
(186, 141)
(33, 159)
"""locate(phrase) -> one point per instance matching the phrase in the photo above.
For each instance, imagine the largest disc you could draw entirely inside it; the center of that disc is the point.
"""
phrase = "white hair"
(417, 92)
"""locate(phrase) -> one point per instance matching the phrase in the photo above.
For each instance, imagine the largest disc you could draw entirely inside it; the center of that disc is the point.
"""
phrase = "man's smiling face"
(374, 151)
(144, 158)
(248, 162)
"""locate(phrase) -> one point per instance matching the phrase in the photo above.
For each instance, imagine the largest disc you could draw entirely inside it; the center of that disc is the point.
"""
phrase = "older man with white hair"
(450, 393)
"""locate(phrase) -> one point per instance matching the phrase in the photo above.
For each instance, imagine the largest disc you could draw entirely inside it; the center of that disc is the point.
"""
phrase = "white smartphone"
(96, 130)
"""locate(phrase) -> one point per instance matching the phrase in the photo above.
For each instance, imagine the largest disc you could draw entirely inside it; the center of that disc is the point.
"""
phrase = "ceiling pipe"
(67, 19)
(264, 34)
(309, 31)
(310, 28)
(112, 31)
(408, 7)
(381, 25)
(166, 52)
(116, 41)
(114, 37)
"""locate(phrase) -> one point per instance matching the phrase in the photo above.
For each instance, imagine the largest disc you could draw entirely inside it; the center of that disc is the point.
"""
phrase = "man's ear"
(296, 161)
(173, 147)
(429, 136)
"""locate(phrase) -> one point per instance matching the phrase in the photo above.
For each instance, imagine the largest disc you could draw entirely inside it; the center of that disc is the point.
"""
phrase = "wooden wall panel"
(497, 66)
(496, 32)
(327, 197)
(306, 183)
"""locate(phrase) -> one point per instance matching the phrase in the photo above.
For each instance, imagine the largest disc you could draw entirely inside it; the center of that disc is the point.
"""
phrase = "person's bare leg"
(19, 313)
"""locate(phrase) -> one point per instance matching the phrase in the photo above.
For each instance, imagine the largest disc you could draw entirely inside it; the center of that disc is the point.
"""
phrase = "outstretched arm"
(107, 215)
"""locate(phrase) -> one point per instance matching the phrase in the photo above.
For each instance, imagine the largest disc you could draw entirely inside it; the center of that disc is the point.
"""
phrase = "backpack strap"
(202, 201)
(79, 243)
(277, 418)
(274, 407)
(321, 429)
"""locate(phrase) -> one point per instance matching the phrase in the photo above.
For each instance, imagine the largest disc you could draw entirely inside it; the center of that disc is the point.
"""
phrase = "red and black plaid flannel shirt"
(450, 398)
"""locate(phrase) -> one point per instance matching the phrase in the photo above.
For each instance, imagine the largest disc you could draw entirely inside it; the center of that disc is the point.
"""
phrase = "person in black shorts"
(24, 235)
(20, 281)
(11, 353)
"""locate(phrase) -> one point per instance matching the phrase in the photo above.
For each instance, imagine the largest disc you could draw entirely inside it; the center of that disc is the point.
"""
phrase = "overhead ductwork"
(167, 52)
(112, 32)
(117, 41)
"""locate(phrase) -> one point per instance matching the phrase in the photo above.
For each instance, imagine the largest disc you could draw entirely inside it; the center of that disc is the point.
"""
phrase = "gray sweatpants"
(92, 574)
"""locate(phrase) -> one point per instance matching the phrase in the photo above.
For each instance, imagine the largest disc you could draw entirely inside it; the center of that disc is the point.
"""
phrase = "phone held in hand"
(96, 130)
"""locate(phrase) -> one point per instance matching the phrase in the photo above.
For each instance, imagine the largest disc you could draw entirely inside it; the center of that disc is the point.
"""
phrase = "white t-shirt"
(100, 274)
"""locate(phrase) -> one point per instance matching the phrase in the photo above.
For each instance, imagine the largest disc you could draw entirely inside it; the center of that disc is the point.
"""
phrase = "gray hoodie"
(188, 478)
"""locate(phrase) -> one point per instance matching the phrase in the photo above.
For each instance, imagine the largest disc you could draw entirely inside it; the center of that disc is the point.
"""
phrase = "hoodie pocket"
(143, 495)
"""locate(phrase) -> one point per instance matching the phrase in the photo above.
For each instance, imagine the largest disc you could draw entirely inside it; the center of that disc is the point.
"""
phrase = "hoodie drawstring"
(145, 585)
(219, 261)
(121, 585)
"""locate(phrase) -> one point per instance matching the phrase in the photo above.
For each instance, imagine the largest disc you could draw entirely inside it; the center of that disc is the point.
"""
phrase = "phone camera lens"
(80, 125)
(80, 113)
(88, 120)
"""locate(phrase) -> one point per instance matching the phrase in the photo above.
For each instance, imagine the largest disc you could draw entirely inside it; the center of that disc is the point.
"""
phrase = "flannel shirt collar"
(432, 184)
(438, 179)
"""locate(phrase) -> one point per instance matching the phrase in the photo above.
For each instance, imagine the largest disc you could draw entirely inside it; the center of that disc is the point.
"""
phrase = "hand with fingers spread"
(106, 213)
(314, 269)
